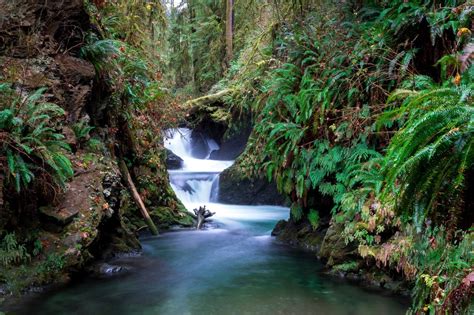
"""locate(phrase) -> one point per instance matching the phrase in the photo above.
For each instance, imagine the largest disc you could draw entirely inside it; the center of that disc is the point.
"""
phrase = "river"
(232, 267)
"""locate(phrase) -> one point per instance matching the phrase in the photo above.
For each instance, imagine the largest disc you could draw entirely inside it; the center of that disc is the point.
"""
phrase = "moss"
(45, 270)
(165, 217)
(347, 266)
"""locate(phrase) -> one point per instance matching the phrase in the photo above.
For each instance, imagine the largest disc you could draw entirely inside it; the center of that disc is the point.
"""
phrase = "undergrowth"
(347, 109)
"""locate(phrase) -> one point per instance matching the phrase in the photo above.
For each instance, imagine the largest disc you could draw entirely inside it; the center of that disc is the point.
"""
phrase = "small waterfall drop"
(196, 183)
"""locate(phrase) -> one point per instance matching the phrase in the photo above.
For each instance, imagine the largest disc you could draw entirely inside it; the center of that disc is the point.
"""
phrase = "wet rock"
(235, 188)
(173, 162)
(300, 234)
(165, 218)
(279, 228)
(199, 145)
(334, 247)
(233, 146)
(107, 269)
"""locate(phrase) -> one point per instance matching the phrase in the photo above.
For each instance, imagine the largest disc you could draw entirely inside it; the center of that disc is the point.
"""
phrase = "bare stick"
(136, 196)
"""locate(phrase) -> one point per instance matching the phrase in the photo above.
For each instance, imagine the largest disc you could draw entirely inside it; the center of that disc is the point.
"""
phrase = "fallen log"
(202, 214)
(137, 198)
(209, 99)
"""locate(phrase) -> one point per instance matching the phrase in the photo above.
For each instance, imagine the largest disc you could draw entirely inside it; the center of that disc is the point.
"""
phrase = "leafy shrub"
(429, 156)
(53, 263)
(11, 252)
(313, 217)
(81, 131)
(442, 266)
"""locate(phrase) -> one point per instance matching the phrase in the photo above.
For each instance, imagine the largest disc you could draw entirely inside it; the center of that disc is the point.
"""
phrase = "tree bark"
(137, 198)
(229, 30)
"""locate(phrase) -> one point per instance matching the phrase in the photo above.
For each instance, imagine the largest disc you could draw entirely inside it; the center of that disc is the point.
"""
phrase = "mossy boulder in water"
(166, 218)
(300, 234)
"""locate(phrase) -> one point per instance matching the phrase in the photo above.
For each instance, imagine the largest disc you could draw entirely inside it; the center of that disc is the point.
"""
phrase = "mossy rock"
(165, 217)
(334, 247)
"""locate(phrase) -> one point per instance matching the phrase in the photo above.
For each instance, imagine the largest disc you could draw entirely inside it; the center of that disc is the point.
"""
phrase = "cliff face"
(39, 47)
(93, 216)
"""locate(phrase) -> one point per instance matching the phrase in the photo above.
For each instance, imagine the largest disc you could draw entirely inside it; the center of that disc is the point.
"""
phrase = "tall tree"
(229, 29)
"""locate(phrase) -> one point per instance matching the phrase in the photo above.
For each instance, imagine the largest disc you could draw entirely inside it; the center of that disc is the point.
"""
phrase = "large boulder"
(173, 162)
(235, 188)
(232, 146)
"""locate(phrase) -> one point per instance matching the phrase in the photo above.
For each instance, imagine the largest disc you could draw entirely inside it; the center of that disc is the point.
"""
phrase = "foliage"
(347, 266)
(313, 217)
(348, 115)
(308, 143)
(196, 42)
(433, 150)
(442, 267)
(126, 57)
(31, 143)
(81, 130)
(11, 252)
(53, 263)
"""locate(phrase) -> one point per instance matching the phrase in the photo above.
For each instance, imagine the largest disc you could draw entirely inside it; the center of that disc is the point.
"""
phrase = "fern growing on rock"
(31, 142)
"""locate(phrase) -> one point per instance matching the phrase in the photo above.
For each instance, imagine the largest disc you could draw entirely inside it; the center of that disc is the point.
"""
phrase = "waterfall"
(197, 182)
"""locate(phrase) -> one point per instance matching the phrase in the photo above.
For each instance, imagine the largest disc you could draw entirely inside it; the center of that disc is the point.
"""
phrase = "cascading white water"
(196, 182)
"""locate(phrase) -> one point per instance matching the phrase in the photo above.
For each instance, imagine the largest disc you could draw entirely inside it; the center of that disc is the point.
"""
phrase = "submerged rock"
(107, 269)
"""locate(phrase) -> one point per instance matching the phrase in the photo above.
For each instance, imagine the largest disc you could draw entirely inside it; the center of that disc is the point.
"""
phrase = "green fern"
(32, 142)
(428, 157)
(11, 252)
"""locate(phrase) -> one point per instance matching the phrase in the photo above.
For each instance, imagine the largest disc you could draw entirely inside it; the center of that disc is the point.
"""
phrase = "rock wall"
(94, 217)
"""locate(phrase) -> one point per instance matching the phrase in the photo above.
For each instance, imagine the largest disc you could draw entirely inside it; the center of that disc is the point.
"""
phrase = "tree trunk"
(229, 30)
(137, 198)
(208, 99)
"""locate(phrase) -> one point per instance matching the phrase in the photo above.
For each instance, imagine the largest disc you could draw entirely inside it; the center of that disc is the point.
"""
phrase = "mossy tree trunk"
(137, 198)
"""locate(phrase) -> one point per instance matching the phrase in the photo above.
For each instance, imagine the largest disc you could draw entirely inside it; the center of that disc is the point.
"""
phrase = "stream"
(232, 267)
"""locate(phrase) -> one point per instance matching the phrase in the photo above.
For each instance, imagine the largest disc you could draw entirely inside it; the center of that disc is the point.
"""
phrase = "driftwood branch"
(137, 198)
(202, 214)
